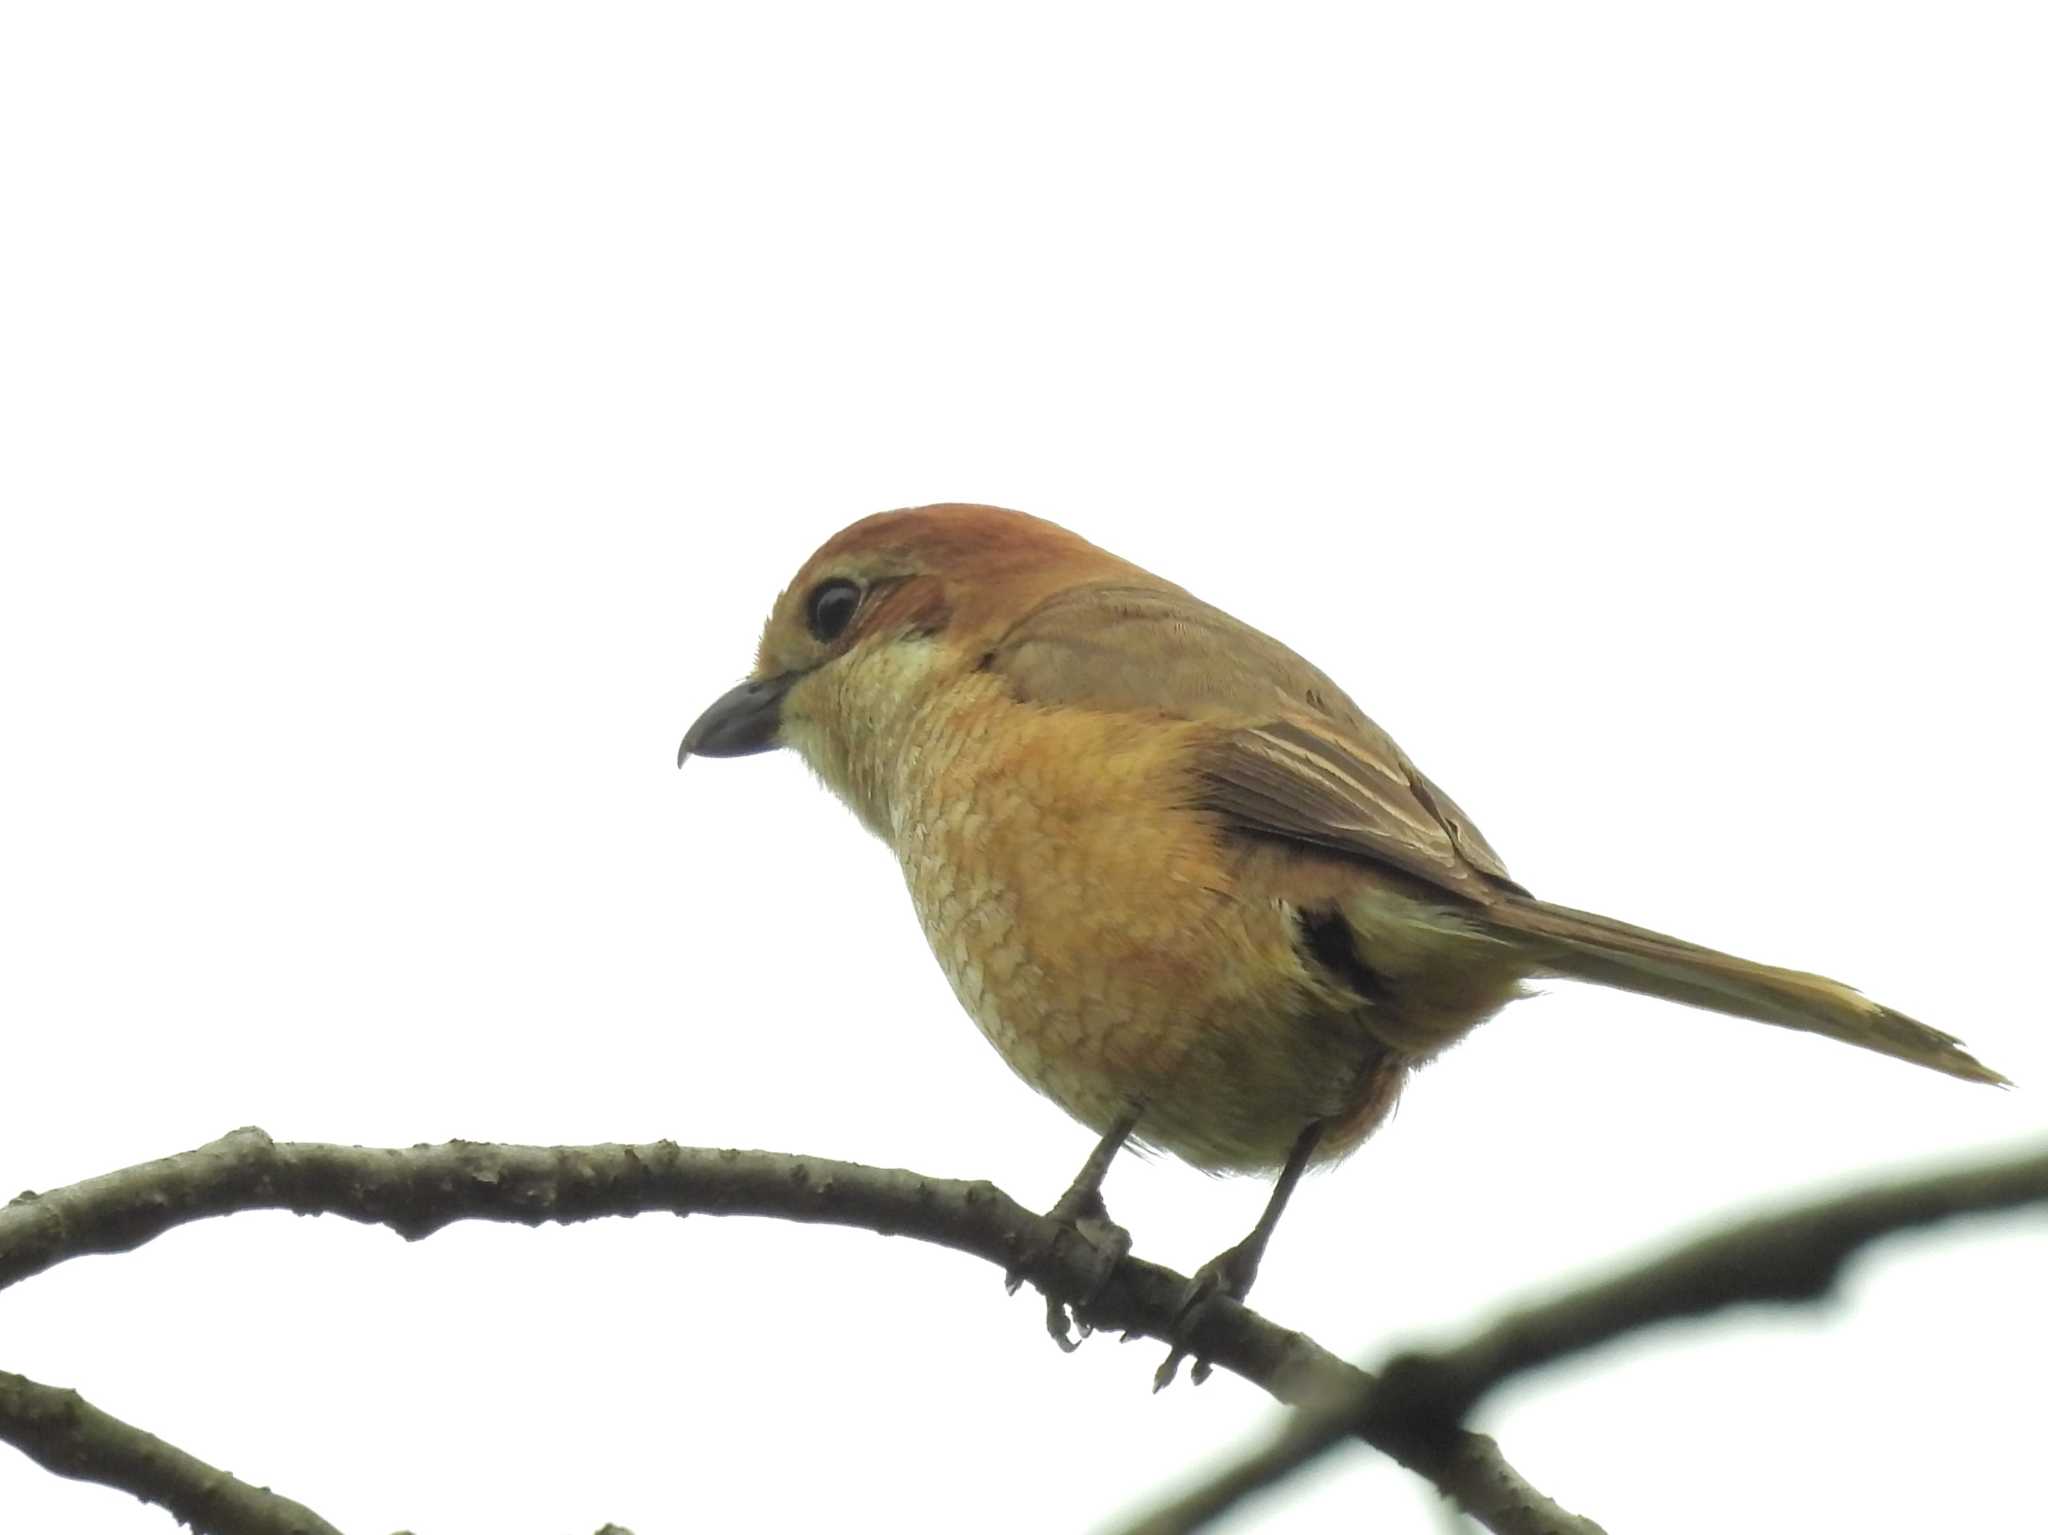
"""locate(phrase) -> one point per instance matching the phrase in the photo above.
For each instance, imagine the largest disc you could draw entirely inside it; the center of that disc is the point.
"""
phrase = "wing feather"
(1292, 758)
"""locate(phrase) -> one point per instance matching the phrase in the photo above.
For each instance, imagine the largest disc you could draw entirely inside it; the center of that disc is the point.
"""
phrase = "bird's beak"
(743, 722)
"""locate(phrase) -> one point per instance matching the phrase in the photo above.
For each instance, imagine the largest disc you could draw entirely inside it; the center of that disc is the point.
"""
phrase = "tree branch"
(1790, 1256)
(62, 1432)
(416, 1192)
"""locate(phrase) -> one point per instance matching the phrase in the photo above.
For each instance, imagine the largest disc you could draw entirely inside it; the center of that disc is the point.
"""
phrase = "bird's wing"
(1291, 757)
(1299, 782)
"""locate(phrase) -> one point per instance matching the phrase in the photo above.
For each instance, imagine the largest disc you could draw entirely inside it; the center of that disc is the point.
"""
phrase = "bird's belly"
(1105, 953)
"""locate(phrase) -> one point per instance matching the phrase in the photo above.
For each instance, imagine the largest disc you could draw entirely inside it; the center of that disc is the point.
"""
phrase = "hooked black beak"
(741, 723)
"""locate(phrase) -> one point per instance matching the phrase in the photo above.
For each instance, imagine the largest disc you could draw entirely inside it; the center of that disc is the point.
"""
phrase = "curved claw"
(1230, 1273)
(1080, 1212)
(1108, 1244)
(1057, 1324)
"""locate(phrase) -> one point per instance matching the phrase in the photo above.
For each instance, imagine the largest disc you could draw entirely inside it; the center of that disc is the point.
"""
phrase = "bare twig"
(418, 1191)
(1789, 1256)
(62, 1432)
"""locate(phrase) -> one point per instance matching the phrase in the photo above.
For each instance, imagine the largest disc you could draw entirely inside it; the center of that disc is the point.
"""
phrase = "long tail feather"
(1588, 947)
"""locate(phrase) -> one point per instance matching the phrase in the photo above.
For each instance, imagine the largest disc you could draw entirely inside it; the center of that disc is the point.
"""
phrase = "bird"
(1180, 881)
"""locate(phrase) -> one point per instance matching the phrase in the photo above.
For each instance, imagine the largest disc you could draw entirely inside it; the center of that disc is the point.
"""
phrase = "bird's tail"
(1588, 947)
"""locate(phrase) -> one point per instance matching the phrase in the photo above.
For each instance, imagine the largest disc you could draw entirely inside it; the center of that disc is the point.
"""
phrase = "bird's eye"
(830, 608)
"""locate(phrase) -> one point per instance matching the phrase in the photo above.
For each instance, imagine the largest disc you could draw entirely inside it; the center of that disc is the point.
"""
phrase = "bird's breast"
(1088, 916)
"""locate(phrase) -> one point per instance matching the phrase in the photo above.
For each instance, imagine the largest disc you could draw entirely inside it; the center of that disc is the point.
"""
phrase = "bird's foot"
(1081, 1214)
(1230, 1273)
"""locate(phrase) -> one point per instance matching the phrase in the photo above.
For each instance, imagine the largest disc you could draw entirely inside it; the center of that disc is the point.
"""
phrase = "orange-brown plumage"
(1182, 883)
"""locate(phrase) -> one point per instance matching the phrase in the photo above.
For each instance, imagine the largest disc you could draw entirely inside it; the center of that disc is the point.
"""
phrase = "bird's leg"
(1232, 1271)
(1081, 1211)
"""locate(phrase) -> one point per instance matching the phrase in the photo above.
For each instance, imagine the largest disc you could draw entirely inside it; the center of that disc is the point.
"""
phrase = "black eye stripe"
(830, 608)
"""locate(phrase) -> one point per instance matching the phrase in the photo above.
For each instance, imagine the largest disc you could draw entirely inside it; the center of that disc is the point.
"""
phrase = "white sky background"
(411, 410)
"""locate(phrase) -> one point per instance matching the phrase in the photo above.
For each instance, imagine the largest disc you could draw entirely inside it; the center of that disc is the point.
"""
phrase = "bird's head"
(888, 611)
